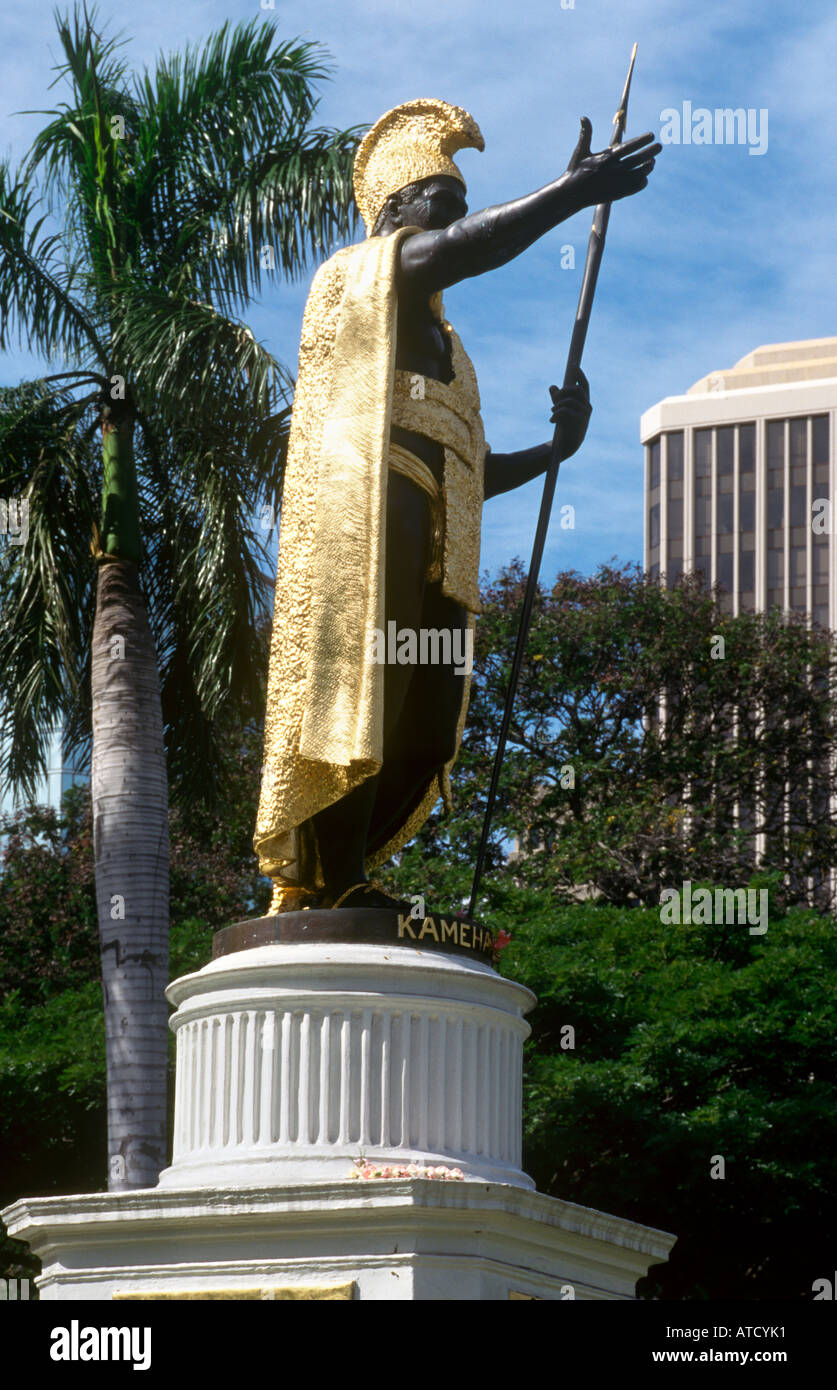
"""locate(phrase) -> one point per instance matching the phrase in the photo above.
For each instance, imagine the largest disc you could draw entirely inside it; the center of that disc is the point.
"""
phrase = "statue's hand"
(612, 174)
(571, 410)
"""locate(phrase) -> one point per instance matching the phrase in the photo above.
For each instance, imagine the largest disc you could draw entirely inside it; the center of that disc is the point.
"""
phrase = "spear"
(595, 249)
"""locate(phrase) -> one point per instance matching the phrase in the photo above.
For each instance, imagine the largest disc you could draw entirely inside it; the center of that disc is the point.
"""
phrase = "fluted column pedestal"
(294, 1061)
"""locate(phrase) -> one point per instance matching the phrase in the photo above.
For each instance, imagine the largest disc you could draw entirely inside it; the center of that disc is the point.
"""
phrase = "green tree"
(690, 1044)
(53, 1100)
(175, 190)
(598, 789)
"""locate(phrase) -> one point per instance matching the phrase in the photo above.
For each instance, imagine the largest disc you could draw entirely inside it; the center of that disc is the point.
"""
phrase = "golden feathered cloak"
(324, 719)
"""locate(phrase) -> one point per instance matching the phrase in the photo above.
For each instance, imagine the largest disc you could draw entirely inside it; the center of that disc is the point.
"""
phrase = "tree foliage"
(53, 1119)
(690, 1044)
(654, 740)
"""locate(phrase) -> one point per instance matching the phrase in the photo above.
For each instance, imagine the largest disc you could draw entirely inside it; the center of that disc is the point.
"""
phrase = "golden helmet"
(411, 142)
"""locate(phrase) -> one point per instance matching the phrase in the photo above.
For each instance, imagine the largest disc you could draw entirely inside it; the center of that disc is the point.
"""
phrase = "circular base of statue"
(352, 925)
(298, 1058)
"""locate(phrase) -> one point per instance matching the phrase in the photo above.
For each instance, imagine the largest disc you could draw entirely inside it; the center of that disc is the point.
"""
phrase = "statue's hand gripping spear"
(595, 248)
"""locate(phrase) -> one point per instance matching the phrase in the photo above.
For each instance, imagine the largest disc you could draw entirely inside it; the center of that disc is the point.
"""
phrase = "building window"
(775, 443)
(725, 508)
(674, 467)
(703, 559)
(819, 443)
(724, 572)
(798, 431)
(798, 502)
(747, 579)
(674, 445)
(820, 614)
(776, 577)
(747, 450)
(653, 465)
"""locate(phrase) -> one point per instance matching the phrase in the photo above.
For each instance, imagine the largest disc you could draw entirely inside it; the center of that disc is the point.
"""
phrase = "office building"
(740, 478)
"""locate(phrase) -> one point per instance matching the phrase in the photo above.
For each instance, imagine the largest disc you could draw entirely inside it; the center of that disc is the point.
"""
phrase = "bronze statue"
(387, 471)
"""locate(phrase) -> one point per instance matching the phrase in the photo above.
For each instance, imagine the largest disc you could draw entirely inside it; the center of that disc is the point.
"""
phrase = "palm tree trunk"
(131, 845)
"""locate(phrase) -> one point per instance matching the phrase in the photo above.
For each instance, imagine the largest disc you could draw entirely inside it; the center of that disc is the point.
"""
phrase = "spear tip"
(621, 115)
(630, 72)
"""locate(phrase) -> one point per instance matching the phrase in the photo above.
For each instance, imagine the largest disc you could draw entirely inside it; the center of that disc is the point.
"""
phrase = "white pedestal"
(420, 1239)
(293, 1061)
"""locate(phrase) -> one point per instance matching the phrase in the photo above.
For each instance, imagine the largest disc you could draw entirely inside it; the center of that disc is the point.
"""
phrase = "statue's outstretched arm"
(433, 260)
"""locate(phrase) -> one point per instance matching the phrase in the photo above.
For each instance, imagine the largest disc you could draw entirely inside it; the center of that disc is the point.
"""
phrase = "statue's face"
(433, 203)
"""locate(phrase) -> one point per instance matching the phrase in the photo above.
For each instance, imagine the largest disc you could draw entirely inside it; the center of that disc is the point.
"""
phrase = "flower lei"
(362, 1168)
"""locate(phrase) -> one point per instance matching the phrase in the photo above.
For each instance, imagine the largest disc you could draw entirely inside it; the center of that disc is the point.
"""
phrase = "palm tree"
(176, 190)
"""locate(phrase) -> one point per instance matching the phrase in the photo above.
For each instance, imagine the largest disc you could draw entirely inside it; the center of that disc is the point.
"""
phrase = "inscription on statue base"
(355, 926)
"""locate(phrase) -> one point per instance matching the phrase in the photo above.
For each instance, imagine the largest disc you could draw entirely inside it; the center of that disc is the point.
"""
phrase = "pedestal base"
(294, 1059)
(299, 1051)
(411, 1240)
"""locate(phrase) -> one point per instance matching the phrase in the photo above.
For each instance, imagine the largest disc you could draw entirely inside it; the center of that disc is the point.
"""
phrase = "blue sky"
(724, 251)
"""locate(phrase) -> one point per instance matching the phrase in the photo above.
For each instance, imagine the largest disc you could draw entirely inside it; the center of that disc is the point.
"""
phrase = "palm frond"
(295, 204)
(202, 506)
(188, 362)
(38, 285)
(232, 97)
(227, 165)
(46, 582)
(81, 156)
